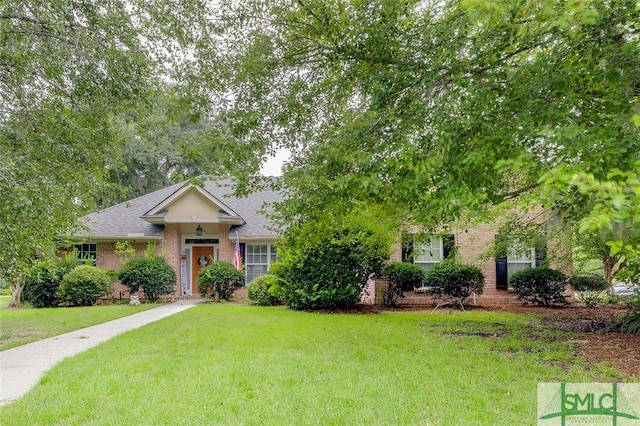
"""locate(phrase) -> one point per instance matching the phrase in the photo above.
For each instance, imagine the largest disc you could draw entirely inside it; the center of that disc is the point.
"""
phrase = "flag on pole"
(237, 258)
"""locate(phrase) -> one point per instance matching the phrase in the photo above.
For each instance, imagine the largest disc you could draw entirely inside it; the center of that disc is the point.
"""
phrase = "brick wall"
(226, 245)
(109, 260)
(171, 248)
(473, 246)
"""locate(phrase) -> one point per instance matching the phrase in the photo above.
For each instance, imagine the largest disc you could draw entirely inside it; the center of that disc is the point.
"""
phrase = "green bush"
(43, 281)
(150, 273)
(589, 282)
(400, 277)
(592, 299)
(84, 285)
(456, 280)
(325, 265)
(218, 281)
(631, 320)
(264, 290)
(541, 286)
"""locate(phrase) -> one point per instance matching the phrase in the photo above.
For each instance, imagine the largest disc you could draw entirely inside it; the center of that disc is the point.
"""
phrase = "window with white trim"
(519, 258)
(428, 253)
(258, 260)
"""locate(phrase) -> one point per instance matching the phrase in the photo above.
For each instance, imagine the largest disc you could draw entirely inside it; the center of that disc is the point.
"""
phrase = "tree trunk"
(16, 292)
(607, 264)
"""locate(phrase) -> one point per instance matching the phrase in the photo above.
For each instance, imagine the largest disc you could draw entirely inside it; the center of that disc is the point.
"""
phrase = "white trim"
(428, 262)
(270, 253)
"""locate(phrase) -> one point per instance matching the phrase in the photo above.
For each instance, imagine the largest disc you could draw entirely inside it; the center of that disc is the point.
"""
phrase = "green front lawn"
(4, 301)
(26, 325)
(230, 364)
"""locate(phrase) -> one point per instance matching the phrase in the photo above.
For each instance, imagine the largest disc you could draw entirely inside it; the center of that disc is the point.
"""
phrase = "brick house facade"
(193, 225)
(185, 222)
(472, 247)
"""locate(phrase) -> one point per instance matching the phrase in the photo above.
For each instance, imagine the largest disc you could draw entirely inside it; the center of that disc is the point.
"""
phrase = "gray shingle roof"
(125, 219)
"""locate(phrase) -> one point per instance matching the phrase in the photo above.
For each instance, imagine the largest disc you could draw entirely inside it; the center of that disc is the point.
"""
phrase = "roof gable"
(133, 218)
(192, 203)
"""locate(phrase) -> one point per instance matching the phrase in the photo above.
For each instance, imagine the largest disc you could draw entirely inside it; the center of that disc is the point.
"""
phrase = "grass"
(4, 301)
(26, 325)
(230, 364)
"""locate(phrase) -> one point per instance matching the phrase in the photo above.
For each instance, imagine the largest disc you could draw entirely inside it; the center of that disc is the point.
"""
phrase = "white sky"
(273, 166)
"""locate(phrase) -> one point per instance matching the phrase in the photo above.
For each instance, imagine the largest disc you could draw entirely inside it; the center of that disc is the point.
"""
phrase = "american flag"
(237, 259)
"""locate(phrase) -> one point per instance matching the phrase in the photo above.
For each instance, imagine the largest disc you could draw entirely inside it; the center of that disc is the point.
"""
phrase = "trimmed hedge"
(589, 282)
(456, 280)
(264, 290)
(401, 277)
(151, 273)
(84, 285)
(43, 281)
(218, 281)
(541, 286)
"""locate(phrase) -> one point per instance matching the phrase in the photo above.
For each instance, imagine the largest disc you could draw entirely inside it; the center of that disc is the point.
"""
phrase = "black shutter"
(501, 273)
(541, 252)
(448, 245)
(407, 248)
(243, 249)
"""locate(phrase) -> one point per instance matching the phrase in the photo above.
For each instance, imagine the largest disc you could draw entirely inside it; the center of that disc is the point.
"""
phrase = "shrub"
(218, 281)
(592, 299)
(401, 277)
(325, 265)
(43, 281)
(456, 280)
(150, 273)
(263, 291)
(589, 282)
(631, 320)
(84, 285)
(541, 286)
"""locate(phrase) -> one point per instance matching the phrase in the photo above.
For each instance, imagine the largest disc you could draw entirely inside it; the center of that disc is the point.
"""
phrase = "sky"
(273, 166)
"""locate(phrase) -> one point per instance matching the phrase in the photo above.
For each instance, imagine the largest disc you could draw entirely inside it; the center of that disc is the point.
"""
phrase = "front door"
(201, 257)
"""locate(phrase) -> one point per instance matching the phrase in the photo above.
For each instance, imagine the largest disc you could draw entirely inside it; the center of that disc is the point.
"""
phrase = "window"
(201, 241)
(514, 254)
(87, 251)
(428, 253)
(519, 257)
(258, 259)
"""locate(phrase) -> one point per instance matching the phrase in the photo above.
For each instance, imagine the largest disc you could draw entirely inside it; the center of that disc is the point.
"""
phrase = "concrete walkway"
(22, 367)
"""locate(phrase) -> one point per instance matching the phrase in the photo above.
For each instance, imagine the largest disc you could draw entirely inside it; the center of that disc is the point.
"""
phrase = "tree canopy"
(68, 71)
(439, 110)
(446, 109)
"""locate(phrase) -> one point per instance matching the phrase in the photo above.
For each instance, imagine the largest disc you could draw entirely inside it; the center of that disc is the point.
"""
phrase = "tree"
(162, 146)
(68, 70)
(447, 109)
(597, 245)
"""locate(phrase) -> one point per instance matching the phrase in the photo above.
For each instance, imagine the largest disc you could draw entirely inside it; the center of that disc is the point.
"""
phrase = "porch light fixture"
(199, 230)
